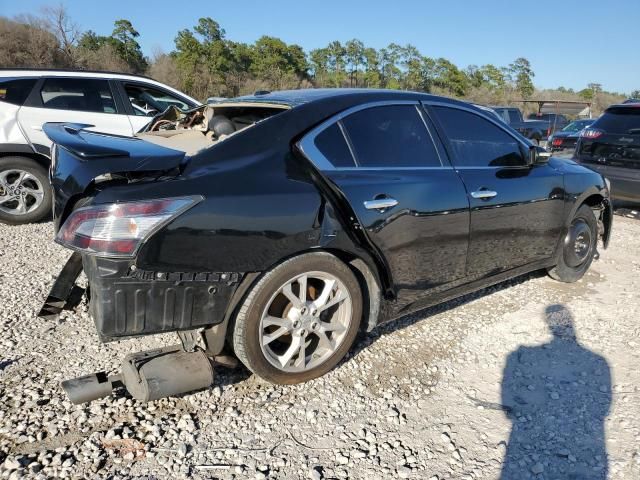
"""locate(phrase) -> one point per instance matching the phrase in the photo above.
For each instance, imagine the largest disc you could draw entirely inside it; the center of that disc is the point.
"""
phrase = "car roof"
(624, 105)
(61, 72)
(40, 72)
(294, 98)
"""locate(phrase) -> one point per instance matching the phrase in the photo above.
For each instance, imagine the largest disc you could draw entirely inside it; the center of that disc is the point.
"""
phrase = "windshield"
(578, 125)
(620, 120)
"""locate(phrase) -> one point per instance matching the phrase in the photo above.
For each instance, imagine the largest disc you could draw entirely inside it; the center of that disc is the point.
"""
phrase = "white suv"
(112, 103)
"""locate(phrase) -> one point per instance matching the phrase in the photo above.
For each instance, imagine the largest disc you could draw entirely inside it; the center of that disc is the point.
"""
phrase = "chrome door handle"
(484, 194)
(380, 203)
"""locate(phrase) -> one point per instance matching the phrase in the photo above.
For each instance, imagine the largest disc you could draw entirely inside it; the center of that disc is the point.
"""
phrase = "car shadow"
(557, 396)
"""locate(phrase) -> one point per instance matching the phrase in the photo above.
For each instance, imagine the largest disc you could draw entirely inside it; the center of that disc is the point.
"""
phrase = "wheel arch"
(367, 279)
(602, 207)
(42, 160)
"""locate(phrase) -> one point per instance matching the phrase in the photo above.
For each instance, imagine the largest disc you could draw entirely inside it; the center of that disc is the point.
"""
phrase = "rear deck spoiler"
(80, 156)
(72, 137)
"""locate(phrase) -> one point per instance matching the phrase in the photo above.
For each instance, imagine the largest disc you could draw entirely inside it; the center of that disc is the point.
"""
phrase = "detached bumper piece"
(61, 293)
(129, 302)
(147, 376)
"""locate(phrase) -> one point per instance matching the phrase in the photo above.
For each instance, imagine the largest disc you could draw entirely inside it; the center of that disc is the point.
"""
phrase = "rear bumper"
(125, 301)
(625, 182)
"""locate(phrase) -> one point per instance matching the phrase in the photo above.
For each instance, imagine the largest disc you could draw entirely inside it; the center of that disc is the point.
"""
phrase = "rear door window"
(80, 94)
(390, 136)
(333, 146)
(622, 120)
(476, 141)
(16, 90)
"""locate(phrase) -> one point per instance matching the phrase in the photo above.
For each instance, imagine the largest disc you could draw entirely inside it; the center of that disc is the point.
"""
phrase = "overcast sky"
(570, 43)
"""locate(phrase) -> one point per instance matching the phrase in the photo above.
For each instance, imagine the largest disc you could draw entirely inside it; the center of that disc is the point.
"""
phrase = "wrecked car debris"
(198, 128)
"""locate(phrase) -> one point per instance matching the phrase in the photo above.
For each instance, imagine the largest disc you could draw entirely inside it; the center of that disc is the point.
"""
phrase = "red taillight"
(119, 229)
(556, 142)
(591, 133)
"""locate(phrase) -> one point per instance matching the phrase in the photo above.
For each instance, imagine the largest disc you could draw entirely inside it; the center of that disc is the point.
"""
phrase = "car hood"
(82, 158)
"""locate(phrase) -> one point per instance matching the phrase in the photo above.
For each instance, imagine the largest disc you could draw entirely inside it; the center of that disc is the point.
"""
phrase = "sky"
(569, 43)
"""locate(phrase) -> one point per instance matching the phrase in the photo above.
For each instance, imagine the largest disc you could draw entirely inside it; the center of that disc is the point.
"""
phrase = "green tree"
(634, 94)
(494, 77)
(275, 62)
(522, 75)
(354, 57)
(449, 77)
(371, 77)
(124, 39)
(319, 64)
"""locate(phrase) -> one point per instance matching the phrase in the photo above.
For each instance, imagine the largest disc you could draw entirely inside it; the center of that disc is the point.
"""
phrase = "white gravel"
(477, 388)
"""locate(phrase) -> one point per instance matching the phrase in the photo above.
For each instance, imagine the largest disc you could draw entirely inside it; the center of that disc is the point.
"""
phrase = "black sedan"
(567, 138)
(283, 223)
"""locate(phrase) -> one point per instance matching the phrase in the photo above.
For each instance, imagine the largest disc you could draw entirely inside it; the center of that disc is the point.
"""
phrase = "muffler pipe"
(90, 387)
(148, 375)
(166, 372)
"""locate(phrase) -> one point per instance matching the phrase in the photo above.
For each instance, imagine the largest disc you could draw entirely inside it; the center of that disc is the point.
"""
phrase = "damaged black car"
(279, 225)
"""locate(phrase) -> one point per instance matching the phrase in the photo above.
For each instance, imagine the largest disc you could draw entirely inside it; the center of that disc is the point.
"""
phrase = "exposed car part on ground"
(297, 216)
(106, 102)
(611, 146)
(567, 138)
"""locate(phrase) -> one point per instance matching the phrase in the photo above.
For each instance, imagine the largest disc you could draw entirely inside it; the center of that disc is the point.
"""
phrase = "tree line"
(204, 62)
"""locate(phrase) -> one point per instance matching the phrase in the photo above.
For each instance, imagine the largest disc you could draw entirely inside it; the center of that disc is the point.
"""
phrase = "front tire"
(299, 320)
(578, 248)
(25, 195)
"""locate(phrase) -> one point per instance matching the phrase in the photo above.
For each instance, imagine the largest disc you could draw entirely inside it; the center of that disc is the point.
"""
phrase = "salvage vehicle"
(109, 102)
(611, 146)
(567, 138)
(281, 224)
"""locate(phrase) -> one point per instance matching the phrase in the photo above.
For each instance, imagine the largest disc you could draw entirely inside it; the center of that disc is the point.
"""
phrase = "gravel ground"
(528, 379)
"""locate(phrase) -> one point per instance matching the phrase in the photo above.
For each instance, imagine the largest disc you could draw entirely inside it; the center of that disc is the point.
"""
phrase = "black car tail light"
(118, 229)
(591, 133)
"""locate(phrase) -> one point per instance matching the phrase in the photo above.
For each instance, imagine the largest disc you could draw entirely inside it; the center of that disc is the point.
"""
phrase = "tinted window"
(393, 136)
(514, 116)
(477, 142)
(147, 101)
(83, 94)
(620, 120)
(333, 146)
(16, 90)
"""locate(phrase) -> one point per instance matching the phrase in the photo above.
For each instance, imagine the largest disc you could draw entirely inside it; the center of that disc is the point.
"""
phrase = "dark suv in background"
(611, 146)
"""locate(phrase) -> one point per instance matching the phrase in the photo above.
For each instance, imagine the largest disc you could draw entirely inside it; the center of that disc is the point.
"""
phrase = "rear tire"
(578, 247)
(25, 194)
(299, 320)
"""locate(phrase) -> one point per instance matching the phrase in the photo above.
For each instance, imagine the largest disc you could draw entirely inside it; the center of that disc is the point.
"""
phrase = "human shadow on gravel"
(557, 396)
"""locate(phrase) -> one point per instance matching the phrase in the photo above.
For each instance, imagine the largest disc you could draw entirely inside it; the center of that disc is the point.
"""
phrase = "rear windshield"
(620, 120)
(577, 125)
(16, 90)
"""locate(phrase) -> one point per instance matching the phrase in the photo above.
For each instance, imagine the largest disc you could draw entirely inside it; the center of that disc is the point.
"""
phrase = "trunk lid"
(81, 158)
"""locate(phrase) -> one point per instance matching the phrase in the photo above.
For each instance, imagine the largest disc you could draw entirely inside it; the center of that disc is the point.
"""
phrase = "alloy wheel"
(305, 322)
(20, 192)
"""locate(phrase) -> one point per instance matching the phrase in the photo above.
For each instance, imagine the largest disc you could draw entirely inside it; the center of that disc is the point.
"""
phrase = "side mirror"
(538, 155)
